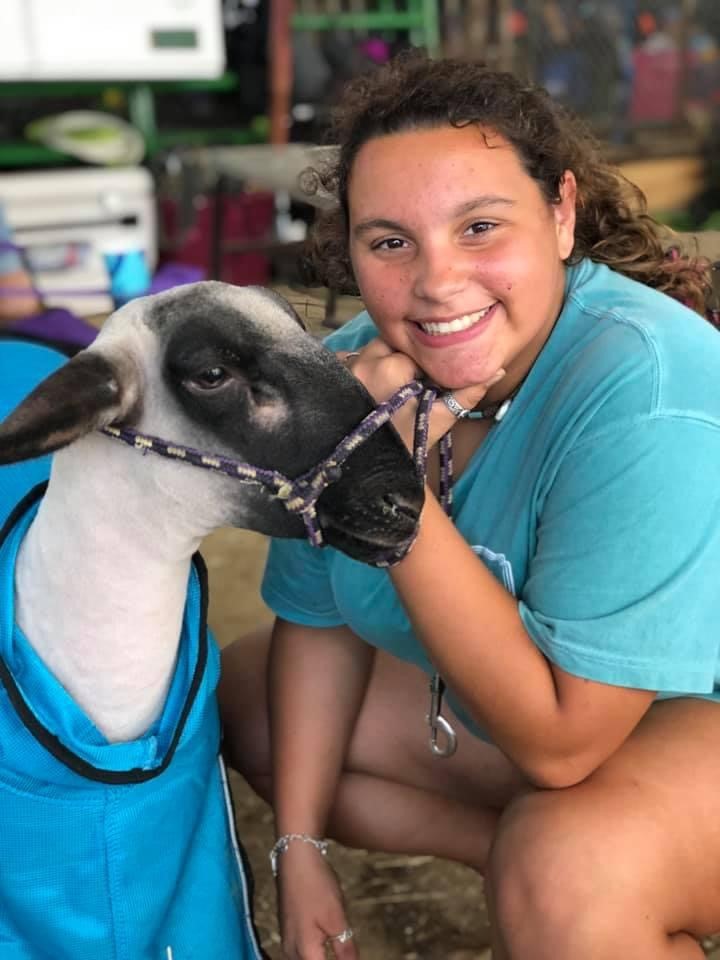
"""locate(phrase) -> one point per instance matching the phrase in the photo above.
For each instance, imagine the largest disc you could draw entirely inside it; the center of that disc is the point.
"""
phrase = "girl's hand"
(383, 370)
(311, 907)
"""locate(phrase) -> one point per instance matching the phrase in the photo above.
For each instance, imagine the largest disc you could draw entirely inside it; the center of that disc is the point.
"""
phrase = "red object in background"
(646, 23)
(246, 217)
(656, 86)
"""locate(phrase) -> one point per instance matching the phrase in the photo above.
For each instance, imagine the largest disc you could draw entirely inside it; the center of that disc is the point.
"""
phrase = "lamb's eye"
(211, 378)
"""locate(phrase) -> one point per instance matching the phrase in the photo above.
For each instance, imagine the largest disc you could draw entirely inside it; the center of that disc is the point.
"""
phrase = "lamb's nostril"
(396, 505)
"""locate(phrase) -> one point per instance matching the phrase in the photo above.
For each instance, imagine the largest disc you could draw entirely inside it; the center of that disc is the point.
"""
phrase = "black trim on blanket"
(49, 740)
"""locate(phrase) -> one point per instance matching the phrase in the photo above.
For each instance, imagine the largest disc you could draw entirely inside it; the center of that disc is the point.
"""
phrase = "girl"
(566, 600)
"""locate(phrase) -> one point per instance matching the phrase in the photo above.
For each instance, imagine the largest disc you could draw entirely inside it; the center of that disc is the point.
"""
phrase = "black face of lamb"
(285, 404)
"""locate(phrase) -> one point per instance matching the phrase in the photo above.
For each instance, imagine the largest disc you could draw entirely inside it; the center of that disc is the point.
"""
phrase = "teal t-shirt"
(595, 501)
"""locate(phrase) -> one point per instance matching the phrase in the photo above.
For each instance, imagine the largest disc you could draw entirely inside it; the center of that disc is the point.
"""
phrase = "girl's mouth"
(440, 333)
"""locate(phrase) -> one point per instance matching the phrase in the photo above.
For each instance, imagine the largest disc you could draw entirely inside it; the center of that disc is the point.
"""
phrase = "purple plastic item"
(56, 325)
(61, 326)
(175, 275)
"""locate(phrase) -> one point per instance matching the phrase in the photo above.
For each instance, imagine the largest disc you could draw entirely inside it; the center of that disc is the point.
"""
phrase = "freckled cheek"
(494, 271)
(384, 291)
(511, 274)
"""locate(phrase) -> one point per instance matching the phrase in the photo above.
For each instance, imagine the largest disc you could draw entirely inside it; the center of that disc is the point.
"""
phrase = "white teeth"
(454, 326)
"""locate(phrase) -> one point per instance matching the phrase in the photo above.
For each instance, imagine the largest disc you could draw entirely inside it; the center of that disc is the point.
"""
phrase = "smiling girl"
(568, 600)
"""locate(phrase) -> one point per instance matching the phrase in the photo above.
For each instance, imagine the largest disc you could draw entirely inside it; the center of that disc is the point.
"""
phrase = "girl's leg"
(625, 864)
(394, 795)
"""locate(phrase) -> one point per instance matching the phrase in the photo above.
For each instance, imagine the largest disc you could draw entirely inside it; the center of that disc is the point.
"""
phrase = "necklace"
(497, 411)
(437, 723)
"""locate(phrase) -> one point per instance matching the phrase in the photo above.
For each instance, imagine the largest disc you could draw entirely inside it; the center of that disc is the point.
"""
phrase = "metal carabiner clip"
(437, 722)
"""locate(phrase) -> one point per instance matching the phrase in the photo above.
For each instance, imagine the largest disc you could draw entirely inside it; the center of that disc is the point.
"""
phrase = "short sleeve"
(297, 586)
(623, 587)
(352, 335)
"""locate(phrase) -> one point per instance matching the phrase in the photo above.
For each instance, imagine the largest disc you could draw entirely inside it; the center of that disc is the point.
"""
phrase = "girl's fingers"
(376, 349)
(345, 951)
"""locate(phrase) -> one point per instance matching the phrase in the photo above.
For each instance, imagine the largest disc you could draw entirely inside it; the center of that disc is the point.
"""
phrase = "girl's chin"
(448, 381)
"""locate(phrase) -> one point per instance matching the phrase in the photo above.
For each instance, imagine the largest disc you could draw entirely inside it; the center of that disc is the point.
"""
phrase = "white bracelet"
(282, 843)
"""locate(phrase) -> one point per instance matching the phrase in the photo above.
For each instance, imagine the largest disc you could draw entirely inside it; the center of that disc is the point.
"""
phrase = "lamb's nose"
(398, 505)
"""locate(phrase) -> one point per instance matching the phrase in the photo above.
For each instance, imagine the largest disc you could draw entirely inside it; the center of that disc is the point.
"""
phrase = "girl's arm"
(318, 677)
(558, 728)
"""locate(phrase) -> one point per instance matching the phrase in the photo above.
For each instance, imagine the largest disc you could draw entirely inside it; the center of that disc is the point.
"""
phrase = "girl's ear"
(564, 212)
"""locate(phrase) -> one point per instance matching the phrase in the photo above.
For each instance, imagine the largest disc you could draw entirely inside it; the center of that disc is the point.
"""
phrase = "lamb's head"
(231, 371)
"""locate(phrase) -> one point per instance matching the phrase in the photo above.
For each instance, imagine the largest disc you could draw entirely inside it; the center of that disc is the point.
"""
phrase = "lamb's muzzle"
(300, 495)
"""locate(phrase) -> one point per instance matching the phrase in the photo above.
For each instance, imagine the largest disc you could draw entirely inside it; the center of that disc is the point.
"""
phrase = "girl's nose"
(440, 276)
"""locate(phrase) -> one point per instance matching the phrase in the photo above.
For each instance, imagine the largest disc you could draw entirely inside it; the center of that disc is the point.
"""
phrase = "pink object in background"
(246, 217)
(656, 86)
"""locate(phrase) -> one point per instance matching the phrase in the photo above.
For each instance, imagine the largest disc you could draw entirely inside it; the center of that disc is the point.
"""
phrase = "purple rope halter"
(300, 495)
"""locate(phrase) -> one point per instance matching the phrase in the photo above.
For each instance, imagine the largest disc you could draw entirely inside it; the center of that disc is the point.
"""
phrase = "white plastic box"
(111, 39)
(104, 211)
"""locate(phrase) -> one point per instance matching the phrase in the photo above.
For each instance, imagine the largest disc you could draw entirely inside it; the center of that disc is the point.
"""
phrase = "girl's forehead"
(435, 161)
(432, 147)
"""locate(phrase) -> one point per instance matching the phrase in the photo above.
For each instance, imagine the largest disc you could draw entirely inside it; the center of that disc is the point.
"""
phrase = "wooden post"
(280, 69)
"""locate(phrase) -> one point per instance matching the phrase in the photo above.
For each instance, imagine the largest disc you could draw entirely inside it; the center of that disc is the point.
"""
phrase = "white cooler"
(86, 214)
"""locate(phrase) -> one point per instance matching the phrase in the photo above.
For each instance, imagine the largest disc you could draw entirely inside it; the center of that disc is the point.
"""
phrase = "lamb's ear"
(86, 393)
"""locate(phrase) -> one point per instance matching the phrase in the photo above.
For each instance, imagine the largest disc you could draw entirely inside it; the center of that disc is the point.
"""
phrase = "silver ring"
(343, 937)
(349, 356)
(455, 408)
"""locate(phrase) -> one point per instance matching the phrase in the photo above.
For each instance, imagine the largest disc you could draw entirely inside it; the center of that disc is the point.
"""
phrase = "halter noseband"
(300, 495)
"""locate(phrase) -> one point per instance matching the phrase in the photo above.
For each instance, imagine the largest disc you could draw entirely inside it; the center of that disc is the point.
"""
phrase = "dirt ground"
(402, 908)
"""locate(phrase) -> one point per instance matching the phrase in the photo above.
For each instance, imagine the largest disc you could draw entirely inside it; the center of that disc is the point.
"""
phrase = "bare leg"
(626, 863)
(394, 796)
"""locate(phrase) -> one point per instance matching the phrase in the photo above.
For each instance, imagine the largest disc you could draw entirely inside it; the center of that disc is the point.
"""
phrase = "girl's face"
(457, 254)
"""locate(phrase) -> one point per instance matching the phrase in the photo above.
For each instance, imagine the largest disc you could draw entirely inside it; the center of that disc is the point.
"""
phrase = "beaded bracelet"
(282, 843)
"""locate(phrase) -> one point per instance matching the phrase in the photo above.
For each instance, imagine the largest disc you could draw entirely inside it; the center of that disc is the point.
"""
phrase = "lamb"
(116, 841)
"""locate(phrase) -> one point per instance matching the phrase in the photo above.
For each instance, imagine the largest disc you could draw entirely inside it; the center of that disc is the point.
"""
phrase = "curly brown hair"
(414, 92)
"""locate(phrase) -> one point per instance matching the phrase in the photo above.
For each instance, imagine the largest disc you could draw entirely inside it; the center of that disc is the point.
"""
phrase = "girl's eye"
(211, 378)
(392, 243)
(479, 226)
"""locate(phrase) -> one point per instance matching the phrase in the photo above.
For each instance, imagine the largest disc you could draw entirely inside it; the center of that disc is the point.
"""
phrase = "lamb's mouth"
(368, 549)
(364, 540)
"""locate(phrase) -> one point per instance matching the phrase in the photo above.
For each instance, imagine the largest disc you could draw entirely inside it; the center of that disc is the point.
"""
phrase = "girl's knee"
(550, 880)
(242, 696)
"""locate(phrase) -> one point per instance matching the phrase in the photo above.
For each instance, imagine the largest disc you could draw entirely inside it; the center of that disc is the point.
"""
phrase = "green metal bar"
(19, 154)
(65, 88)
(431, 21)
(403, 20)
(141, 111)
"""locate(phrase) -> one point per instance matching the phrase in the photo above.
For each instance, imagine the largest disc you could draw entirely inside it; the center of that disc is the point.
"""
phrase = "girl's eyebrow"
(484, 200)
(467, 206)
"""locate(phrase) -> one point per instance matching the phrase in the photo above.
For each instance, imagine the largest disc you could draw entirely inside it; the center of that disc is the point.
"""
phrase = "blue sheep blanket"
(109, 851)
